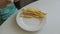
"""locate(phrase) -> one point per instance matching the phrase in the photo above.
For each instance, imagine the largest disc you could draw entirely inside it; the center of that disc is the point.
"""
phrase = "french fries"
(32, 12)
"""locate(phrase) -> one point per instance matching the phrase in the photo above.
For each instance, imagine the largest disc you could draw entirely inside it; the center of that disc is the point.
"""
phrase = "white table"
(53, 19)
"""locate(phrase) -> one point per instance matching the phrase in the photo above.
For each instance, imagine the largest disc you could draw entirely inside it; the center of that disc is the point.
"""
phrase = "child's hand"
(4, 3)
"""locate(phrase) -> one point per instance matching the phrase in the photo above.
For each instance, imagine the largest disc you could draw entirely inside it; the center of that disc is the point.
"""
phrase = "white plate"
(29, 24)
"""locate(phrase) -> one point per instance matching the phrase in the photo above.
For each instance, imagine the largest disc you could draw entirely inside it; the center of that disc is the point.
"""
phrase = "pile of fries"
(32, 13)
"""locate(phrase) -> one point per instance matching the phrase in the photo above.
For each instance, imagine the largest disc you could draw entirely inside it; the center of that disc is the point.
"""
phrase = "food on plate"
(32, 13)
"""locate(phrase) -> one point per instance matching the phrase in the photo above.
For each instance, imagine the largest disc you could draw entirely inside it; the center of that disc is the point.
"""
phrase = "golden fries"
(32, 12)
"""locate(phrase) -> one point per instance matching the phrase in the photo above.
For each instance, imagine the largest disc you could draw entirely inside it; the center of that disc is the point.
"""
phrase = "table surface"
(52, 25)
